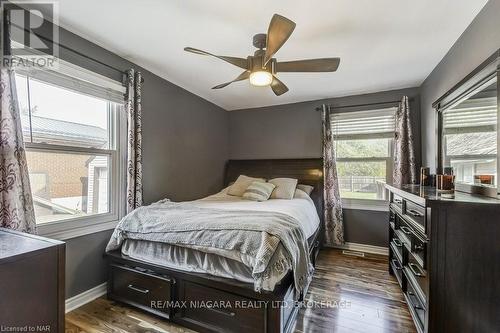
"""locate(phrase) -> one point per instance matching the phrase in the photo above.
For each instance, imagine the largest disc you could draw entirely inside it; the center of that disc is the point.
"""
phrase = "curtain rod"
(319, 108)
(70, 49)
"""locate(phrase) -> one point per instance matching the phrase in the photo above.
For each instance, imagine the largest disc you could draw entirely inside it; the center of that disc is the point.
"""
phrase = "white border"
(64, 234)
(86, 297)
(384, 251)
(377, 205)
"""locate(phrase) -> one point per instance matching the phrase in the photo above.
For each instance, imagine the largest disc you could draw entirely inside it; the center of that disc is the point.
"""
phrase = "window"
(469, 137)
(363, 148)
(72, 123)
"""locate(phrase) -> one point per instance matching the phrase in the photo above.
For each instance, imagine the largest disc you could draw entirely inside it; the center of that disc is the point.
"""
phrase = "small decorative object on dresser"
(444, 253)
(31, 283)
(424, 176)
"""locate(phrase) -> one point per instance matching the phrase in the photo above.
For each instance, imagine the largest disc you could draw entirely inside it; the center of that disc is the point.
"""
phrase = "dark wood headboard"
(308, 171)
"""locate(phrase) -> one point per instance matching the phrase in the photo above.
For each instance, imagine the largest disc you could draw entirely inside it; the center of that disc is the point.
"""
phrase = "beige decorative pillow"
(241, 184)
(299, 194)
(306, 188)
(258, 191)
(285, 188)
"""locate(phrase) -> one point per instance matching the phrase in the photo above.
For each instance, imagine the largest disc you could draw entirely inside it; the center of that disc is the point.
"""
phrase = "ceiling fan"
(261, 68)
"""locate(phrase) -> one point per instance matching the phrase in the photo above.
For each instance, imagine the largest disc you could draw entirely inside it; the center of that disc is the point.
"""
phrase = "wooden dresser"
(31, 283)
(445, 254)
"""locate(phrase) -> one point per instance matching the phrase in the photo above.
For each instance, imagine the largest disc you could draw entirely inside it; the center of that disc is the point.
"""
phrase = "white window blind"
(471, 116)
(70, 76)
(364, 124)
(77, 79)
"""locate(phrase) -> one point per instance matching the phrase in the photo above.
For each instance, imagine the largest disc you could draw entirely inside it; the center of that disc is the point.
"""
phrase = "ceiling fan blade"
(239, 62)
(278, 33)
(310, 65)
(278, 87)
(243, 76)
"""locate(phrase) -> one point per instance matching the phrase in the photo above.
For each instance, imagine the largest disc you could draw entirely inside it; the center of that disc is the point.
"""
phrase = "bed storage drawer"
(219, 311)
(143, 289)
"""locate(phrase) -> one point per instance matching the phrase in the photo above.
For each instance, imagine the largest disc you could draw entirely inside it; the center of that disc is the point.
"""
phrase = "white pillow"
(306, 188)
(241, 184)
(258, 191)
(285, 188)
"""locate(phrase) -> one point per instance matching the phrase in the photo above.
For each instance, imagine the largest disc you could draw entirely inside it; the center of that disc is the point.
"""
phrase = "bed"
(210, 292)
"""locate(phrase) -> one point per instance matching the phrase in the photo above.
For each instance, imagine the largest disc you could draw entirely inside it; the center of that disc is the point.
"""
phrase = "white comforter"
(301, 207)
(221, 263)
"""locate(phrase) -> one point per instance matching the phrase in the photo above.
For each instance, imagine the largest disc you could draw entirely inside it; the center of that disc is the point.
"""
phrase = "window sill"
(68, 232)
(373, 205)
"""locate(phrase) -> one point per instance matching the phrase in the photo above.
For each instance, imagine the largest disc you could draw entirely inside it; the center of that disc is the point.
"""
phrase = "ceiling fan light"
(261, 78)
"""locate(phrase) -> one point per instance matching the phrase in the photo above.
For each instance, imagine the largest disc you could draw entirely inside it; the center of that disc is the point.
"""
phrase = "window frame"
(368, 204)
(116, 153)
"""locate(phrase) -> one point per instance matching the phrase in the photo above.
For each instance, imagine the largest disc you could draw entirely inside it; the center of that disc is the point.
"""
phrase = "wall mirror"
(467, 130)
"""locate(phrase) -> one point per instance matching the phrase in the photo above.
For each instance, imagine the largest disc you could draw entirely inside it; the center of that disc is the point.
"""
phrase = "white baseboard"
(365, 248)
(85, 297)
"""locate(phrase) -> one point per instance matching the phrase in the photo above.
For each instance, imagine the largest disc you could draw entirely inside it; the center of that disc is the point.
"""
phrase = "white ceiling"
(383, 44)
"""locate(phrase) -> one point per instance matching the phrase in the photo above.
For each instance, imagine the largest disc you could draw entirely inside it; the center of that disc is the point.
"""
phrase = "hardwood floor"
(347, 294)
(369, 299)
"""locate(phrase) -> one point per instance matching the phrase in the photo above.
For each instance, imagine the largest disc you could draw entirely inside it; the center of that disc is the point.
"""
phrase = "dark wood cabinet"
(31, 283)
(445, 254)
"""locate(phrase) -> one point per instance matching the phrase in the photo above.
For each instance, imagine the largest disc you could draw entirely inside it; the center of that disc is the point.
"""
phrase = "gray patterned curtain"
(16, 202)
(133, 107)
(334, 225)
(405, 169)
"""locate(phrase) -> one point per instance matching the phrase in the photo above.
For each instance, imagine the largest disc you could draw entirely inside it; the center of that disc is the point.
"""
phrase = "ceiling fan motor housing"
(259, 41)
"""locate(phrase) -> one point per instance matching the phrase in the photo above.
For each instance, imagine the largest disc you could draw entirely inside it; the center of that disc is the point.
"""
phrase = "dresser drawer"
(418, 277)
(417, 308)
(397, 269)
(392, 217)
(404, 231)
(397, 201)
(416, 214)
(414, 241)
(219, 311)
(142, 289)
(397, 247)
(419, 250)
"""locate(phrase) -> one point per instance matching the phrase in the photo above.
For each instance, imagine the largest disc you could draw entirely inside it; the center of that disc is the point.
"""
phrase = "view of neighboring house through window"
(363, 148)
(469, 137)
(70, 129)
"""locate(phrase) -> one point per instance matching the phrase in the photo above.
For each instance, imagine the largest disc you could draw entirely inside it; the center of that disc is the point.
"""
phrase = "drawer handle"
(397, 242)
(406, 230)
(226, 313)
(416, 306)
(398, 201)
(418, 248)
(396, 264)
(140, 290)
(415, 270)
(414, 213)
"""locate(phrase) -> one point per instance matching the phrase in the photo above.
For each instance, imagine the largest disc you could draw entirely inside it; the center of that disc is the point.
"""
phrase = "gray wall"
(476, 44)
(185, 147)
(294, 131)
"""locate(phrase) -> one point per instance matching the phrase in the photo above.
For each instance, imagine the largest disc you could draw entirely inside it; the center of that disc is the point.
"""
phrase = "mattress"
(221, 264)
